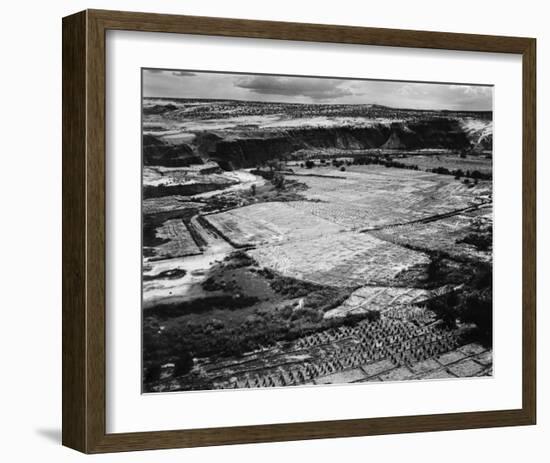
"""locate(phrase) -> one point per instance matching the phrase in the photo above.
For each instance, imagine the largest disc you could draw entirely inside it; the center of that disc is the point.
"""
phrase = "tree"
(278, 181)
(275, 164)
(478, 309)
(183, 364)
(433, 269)
(310, 164)
(152, 373)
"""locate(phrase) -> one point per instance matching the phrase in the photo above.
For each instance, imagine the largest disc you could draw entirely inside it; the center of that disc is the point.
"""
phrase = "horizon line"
(321, 104)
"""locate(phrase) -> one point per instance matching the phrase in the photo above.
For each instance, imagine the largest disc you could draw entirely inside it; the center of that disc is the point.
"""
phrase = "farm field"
(451, 162)
(382, 299)
(364, 197)
(167, 204)
(382, 350)
(269, 223)
(445, 235)
(345, 258)
(331, 241)
(179, 241)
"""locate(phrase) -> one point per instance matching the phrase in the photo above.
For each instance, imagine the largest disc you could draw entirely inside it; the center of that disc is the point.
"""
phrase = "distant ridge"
(283, 103)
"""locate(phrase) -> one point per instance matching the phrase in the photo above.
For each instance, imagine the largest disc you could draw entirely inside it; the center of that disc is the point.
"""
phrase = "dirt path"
(244, 181)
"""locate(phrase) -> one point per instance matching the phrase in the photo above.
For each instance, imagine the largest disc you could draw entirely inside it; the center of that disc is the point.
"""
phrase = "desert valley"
(300, 244)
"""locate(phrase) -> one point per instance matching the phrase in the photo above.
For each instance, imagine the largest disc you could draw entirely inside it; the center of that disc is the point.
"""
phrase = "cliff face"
(241, 134)
(158, 153)
(251, 150)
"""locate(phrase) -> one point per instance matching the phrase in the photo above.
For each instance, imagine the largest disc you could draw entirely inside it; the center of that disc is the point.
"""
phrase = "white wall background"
(30, 235)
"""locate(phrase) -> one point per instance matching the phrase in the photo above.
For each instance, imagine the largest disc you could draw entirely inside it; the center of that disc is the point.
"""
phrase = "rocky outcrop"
(254, 148)
(158, 153)
(186, 189)
(239, 147)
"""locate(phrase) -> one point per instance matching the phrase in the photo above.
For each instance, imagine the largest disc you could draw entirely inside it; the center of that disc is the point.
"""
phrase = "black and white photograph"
(271, 232)
(306, 231)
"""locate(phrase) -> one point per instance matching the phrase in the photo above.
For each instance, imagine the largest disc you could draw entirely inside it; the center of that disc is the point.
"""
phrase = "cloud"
(317, 89)
(183, 73)
(249, 87)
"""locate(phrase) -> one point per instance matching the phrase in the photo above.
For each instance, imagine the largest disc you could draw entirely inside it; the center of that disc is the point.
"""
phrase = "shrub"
(471, 304)
(478, 309)
(432, 270)
(481, 241)
(306, 313)
(183, 364)
(445, 307)
(152, 373)
(286, 311)
(278, 181)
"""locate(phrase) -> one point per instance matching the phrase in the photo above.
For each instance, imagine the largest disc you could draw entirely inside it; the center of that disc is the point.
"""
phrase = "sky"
(290, 89)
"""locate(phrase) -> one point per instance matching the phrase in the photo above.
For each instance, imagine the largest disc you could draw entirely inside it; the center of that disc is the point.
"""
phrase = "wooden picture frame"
(84, 356)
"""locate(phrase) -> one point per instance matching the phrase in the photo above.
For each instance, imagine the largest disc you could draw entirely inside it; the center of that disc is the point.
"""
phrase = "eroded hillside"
(242, 135)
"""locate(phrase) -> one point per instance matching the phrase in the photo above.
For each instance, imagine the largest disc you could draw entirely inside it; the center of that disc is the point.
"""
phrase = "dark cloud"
(183, 73)
(318, 89)
(154, 71)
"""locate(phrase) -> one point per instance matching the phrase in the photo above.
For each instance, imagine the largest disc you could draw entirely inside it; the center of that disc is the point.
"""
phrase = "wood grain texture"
(74, 230)
(529, 229)
(84, 194)
(227, 27)
(95, 233)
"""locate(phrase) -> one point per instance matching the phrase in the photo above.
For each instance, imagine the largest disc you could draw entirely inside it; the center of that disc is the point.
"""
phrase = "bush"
(286, 311)
(478, 309)
(441, 170)
(433, 269)
(471, 304)
(152, 373)
(481, 241)
(310, 164)
(183, 364)
(306, 313)
(278, 181)
(445, 307)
